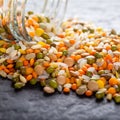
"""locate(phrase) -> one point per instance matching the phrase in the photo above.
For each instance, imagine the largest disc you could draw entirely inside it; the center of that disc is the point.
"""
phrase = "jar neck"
(15, 11)
(17, 19)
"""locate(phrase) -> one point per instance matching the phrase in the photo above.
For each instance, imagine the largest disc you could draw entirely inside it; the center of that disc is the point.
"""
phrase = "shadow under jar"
(14, 16)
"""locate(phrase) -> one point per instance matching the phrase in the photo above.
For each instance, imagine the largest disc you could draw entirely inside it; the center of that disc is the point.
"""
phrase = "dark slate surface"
(30, 103)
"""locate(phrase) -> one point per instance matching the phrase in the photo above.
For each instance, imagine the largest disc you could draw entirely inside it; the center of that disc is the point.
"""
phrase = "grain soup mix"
(75, 56)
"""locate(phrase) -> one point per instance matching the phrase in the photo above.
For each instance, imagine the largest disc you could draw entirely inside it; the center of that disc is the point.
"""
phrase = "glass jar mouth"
(53, 9)
(17, 9)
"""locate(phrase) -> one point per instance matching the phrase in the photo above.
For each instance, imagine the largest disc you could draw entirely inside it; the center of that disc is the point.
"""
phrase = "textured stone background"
(30, 103)
(104, 13)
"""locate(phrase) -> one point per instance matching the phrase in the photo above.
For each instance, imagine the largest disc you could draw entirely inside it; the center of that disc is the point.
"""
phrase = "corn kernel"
(100, 84)
(68, 73)
(3, 50)
(91, 36)
(78, 82)
(41, 43)
(39, 31)
(22, 51)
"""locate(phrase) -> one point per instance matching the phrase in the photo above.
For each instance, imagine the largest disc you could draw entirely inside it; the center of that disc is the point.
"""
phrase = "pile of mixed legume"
(76, 56)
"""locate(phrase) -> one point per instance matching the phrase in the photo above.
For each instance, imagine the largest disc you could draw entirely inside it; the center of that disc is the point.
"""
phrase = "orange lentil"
(29, 77)
(72, 80)
(36, 25)
(32, 61)
(29, 70)
(30, 22)
(72, 41)
(74, 86)
(61, 35)
(111, 90)
(92, 52)
(25, 62)
(110, 66)
(46, 64)
(104, 34)
(61, 44)
(62, 48)
(73, 57)
(108, 47)
(77, 57)
(46, 46)
(34, 74)
(108, 57)
(88, 93)
(87, 65)
(100, 68)
(22, 58)
(66, 90)
(104, 66)
(84, 68)
(10, 66)
(36, 51)
(6, 70)
(95, 66)
(81, 72)
(9, 61)
(113, 81)
(31, 33)
(30, 50)
(2, 67)
(35, 18)
(67, 80)
(59, 54)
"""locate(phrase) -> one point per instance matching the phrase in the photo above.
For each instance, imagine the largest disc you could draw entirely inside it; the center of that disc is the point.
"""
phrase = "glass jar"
(14, 16)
